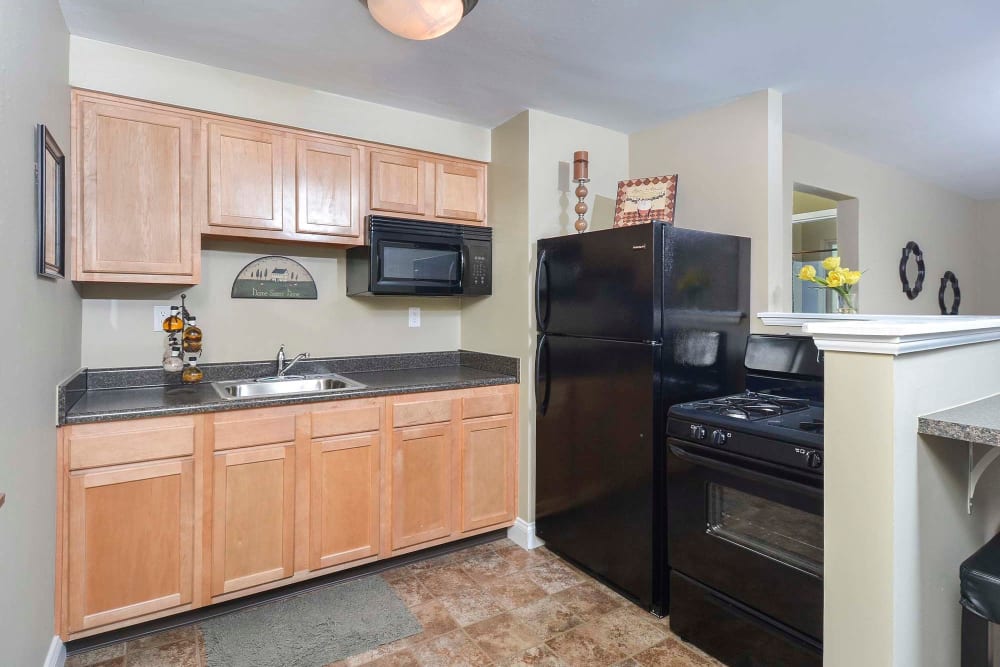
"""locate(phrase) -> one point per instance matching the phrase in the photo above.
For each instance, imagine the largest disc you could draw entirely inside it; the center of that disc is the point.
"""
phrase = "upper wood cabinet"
(149, 179)
(328, 178)
(460, 191)
(399, 183)
(246, 177)
(427, 188)
(134, 180)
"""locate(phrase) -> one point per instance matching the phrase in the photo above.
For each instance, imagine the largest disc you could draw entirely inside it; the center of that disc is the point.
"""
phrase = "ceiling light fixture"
(419, 19)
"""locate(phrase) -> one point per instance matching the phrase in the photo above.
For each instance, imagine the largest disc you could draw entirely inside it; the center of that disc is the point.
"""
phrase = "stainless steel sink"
(284, 386)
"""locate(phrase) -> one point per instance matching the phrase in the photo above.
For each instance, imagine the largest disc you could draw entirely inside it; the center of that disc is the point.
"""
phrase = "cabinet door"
(253, 518)
(245, 177)
(421, 484)
(135, 195)
(328, 176)
(488, 470)
(131, 544)
(460, 191)
(398, 184)
(344, 500)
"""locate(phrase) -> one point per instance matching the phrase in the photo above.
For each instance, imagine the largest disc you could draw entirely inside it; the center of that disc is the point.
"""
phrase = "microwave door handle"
(461, 264)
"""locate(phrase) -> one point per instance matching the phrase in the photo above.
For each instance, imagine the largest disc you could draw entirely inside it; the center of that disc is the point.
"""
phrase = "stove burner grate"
(751, 406)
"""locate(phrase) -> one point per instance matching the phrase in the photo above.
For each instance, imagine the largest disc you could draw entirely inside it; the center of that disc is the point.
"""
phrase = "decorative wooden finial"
(581, 173)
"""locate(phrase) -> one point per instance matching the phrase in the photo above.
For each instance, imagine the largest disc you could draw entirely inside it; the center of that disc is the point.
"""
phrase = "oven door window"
(420, 263)
(785, 534)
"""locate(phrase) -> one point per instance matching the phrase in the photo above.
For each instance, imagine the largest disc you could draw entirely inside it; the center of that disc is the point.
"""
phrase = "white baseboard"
(56, 657)
(523, 534)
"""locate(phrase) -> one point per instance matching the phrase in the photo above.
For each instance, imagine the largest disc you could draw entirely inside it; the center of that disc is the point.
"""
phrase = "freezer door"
(598, 425)
(601, 284)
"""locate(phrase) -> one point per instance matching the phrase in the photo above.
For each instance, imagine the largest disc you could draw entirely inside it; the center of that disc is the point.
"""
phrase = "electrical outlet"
(414, 318)
(160, 313)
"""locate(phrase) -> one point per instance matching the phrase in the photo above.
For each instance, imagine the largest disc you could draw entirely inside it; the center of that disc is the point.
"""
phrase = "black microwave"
(412, 257)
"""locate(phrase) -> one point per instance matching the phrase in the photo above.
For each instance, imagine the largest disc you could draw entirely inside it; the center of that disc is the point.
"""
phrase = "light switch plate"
(160, 313)
(414, 318)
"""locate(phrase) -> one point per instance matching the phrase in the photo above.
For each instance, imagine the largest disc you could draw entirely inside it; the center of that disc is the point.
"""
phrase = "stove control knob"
(814, 459)
(719, 437)
(697, 432)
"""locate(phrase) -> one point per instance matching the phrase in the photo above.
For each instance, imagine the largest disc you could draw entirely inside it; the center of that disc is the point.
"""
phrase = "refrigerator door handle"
(542, 318)
(542, 380)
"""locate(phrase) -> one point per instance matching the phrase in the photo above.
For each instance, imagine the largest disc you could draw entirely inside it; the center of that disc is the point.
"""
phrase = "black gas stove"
(745, 508)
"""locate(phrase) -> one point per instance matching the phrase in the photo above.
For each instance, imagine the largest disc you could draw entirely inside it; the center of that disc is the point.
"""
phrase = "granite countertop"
(977, 422)
(116, 394)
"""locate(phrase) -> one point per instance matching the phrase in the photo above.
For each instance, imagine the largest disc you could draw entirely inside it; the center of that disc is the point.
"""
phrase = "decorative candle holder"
(581, 164)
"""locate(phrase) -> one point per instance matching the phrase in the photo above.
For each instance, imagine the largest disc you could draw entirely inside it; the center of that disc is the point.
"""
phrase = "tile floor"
(491, 604)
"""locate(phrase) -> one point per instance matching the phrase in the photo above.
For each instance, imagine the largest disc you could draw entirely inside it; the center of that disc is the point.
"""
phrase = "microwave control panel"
(478, 278)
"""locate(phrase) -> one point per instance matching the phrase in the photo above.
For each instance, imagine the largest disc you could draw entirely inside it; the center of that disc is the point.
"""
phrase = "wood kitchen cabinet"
(134, 180)
(428, 187)
(421, 484)
(328, 187)
(127, 522)
(488, 470)
(253, 498)
(460, 192)
(345, 482)
(247, 174)
(162, 515)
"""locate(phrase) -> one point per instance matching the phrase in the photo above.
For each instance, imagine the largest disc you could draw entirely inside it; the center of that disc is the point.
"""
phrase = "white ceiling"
(912, 83)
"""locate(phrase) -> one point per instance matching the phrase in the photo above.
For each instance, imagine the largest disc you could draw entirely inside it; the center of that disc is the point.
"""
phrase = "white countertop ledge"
(896, 335)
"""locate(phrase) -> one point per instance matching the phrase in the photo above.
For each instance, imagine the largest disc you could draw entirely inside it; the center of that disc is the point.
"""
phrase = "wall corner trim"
(56, 657)
(522, 533)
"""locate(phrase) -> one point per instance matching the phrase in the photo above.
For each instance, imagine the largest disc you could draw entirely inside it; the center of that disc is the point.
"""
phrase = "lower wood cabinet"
(158, 516)
(131, 542)
(253, 517)
(488, 469)
(421, 484)
(344, 499)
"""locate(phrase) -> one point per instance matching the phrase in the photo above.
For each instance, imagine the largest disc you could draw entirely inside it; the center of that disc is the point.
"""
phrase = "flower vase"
(845, 305)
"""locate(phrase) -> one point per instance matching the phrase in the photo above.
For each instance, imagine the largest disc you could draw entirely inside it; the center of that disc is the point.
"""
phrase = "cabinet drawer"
(347, 419)
(488, 405)
(267, 426)
(416, 413)
(96, 445)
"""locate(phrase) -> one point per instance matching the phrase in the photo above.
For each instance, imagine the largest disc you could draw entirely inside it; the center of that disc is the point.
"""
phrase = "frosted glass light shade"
(417, 19)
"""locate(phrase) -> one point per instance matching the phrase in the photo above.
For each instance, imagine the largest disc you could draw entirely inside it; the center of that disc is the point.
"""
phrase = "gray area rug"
(312, 629)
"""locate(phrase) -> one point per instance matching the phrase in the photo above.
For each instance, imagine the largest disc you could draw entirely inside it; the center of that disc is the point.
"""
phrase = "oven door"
(411, 265)
(749, 530)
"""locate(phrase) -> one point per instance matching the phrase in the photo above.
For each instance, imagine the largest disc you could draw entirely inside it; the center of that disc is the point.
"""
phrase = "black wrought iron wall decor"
(912, 249)
(949, 278)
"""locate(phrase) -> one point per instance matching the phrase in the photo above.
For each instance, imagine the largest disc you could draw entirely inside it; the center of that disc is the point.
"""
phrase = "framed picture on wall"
(643, 200)
(50, 204)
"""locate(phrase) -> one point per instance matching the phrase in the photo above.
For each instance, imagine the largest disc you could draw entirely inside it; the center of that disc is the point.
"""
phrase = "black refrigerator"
(630, 321)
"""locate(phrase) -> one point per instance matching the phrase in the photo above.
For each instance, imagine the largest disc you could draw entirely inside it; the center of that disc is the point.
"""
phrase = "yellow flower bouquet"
(839, 278)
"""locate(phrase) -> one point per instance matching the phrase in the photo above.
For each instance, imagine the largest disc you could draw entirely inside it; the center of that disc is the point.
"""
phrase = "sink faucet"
(282, 366)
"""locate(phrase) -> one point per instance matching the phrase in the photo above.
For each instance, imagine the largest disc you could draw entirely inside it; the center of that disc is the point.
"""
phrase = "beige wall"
(729, 163)
(531, 198)
(117, 321)
(989, 266)
(150, 76)
(893, 208)
(895, 520)
(41, 338)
